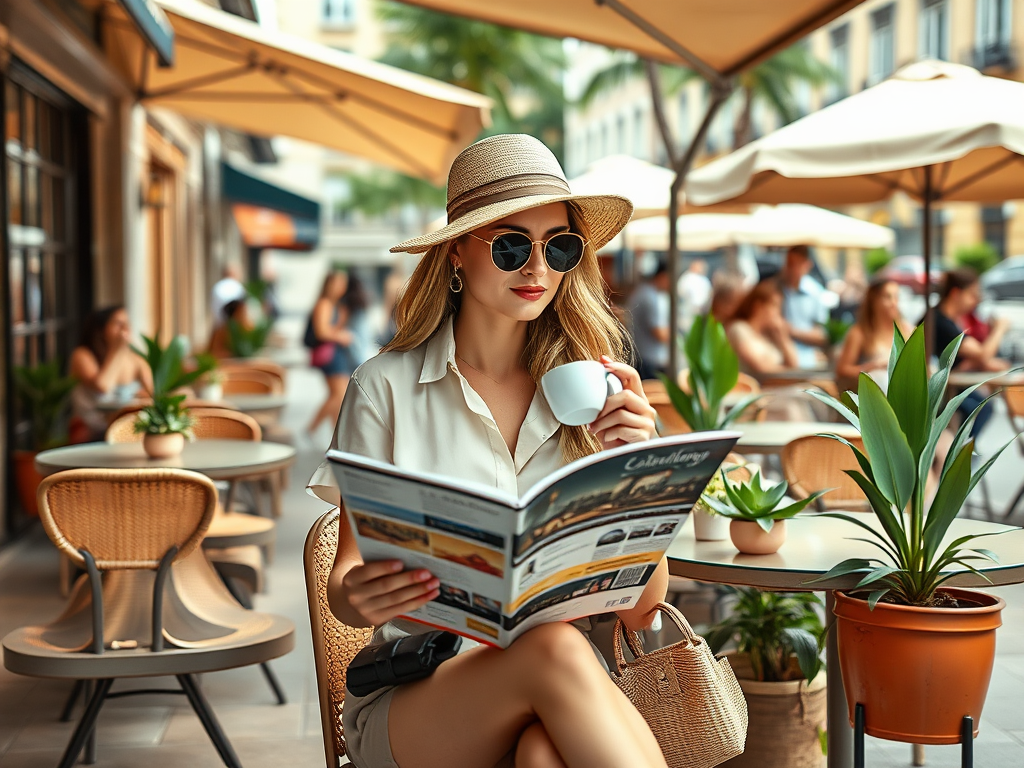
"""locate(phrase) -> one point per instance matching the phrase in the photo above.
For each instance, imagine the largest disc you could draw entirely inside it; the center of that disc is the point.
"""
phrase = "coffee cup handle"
(614, 384)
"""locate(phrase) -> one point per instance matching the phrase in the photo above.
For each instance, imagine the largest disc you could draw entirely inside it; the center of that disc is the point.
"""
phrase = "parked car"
(909, 271)
(1005, 280)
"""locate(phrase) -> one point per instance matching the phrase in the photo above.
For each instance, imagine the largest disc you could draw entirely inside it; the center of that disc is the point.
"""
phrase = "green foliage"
(169, 375)
(46, 392)
(980, 257)
(164, 416)
(876, 260)
(771, 627)
(836, 330)
(714, 371)
(209, 364)
(379, 192)
(901, 430)
(247, 342)
(752, 502)
(627, 66)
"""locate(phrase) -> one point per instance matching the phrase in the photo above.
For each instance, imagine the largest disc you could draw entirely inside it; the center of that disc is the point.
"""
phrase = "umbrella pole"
(929, 320)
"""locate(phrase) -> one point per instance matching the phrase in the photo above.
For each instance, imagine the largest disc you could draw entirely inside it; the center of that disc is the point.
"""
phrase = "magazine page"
(462, 538)
(589, 543)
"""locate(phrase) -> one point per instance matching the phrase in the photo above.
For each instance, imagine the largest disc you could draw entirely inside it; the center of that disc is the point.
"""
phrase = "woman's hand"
(379, 591)
(627, 416)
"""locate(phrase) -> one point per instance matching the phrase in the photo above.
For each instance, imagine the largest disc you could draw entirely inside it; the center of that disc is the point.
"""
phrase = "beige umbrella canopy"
(966, 128)
(232, 72)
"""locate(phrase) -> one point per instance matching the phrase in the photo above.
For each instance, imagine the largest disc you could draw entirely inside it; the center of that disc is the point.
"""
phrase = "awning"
(230, 71)
(268, 216)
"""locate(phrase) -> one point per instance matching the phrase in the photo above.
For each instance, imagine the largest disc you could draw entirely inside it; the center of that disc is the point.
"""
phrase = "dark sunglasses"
(510, 251)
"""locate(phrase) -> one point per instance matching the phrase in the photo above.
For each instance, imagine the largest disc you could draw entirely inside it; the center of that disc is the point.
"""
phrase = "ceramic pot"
(707, 526)
(917, 670)
(164, 446)
(751, 539)
(213, 392)
(26, 480)
(783, 719)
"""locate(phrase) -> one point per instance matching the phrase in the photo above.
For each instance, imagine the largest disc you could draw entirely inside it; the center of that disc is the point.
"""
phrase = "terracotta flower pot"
(707, 526)
(164, 446)
(26, 479)
(784, 720)
(917, 671)
(751, 539)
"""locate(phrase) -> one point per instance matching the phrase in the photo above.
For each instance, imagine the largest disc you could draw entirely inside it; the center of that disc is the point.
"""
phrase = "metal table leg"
(840, 735)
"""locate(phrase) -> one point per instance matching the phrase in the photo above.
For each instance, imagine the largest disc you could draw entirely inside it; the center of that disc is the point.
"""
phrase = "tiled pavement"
(159, 731)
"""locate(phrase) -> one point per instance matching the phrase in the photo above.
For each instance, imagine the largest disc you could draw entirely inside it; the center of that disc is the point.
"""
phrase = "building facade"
(864, 46)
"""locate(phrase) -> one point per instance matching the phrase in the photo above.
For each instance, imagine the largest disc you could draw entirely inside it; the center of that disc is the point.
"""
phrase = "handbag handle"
(633, 638)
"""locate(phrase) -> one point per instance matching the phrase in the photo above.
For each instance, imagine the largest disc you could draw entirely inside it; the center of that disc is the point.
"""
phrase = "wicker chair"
(229, 367)
(151, 604)
(250, 381)
(209, 423)
(812, 463)
(334, 643)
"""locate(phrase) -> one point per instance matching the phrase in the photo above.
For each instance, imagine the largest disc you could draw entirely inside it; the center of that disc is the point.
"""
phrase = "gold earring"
(456, 282)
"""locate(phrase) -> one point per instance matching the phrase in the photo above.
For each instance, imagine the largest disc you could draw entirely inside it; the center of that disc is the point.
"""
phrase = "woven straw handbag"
(690, 699)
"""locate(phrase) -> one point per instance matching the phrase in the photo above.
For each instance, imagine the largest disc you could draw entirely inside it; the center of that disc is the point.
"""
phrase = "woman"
(329, 320)
(759, 333)
(236, 313)
(507, 290)
(867, 344)
(106, 369)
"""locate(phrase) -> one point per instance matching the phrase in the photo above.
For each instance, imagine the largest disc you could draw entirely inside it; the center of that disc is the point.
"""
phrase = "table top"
(234, 529)
(239, 402)
(217, 459)
(815, 544)
(965, 379)
(773, 436)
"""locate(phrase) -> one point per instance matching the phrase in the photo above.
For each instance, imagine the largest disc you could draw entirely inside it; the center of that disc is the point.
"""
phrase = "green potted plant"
(708, 525)
(758, 524)
(777, 660)
(247, 342)
(46, 393)
(165, 423)
(914, 652)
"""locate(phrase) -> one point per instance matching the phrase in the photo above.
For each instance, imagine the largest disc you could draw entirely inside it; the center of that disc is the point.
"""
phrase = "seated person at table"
(867, 344)
(106, 369)
(726, 296)
(802, 307)
(509, 289)
(237, 311)
(759, 334)
(958, 299)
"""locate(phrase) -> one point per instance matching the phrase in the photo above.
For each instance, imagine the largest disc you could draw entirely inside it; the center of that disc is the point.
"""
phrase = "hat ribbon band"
(478, 197)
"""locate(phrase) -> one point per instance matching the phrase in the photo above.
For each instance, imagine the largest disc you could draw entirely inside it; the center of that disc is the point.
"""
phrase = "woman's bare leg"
(473, 709)
(535, 749)
(336, 388)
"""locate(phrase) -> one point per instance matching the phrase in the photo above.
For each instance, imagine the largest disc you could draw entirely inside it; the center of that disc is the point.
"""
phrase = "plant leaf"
(853, 565)
(891, 458)
(865, 464)
(984, 468)
(831, 402)
(805, 646)
(682, 402)
(874, 597)
(891, 521)
(875, 575)
(897, 347)
(798, 506)
(737, 410)
(908, 391)
(766, 523)
(949, 499)
(939, 379)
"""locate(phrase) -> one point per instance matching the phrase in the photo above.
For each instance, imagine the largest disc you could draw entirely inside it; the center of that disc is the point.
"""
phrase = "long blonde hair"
(577, 325)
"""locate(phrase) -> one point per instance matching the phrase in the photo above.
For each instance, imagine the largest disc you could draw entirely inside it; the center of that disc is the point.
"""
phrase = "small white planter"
(165, 446)
(707, 526)
(212, 392)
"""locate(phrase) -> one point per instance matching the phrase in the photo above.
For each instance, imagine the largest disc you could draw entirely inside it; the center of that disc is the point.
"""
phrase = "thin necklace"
(460, 357)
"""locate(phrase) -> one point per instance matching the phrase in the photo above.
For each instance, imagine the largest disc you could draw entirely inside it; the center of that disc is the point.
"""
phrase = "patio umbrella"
(934, 130)
(230, 71)
(768, 225)
(716, 39)
(648, 186)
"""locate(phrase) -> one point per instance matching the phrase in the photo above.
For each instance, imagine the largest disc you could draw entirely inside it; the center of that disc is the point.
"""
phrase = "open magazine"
(584, 540)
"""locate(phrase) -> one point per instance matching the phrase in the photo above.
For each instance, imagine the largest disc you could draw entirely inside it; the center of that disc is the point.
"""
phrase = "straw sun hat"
(505, 174)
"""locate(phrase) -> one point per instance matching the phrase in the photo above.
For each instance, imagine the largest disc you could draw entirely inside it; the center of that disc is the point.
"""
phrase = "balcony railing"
(1001, 55)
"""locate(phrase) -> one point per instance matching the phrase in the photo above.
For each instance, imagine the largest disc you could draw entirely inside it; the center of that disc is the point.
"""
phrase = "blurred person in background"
(803, 307)
(329, 321)
(760, 334)
(106, 369)
(229, 288)
(220, 338)
(649, 322)
(958, 299)
(867, 344)
(726, 296)
(694, 293)
(356, 303)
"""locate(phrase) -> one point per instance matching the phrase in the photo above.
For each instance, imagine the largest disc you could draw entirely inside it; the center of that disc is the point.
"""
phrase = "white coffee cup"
(577, 392)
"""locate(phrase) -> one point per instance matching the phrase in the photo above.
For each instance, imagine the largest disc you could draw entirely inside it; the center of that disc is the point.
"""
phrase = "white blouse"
(415, 410)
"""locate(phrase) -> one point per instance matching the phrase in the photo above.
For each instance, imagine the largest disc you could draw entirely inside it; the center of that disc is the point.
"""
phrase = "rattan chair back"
(813, 463)
(126, 518)
(255, 364)
(334, 644)
(1014, 397)
(207, 424)
(246, 381)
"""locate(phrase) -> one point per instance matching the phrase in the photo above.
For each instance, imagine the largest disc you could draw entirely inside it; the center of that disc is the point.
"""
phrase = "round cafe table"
(814, 545)
(217, 459)
(770, 437)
